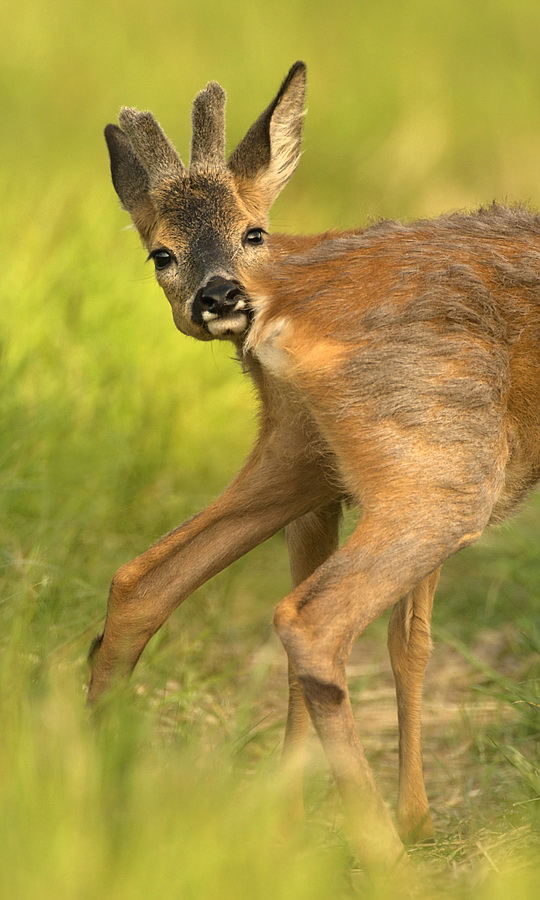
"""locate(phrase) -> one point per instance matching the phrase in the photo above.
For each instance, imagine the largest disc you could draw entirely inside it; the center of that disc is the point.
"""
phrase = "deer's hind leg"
(311, 539)
(409, 644)
(384, 559)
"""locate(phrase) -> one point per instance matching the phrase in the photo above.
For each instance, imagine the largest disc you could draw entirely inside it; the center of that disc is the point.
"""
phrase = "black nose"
(219, 295)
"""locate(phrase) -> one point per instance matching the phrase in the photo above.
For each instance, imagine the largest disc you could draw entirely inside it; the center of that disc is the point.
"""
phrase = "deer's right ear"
(267, 156)
(130, 180)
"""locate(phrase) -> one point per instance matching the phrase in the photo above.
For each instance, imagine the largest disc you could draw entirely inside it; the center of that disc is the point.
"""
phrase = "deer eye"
(254, 236)
(162, 258)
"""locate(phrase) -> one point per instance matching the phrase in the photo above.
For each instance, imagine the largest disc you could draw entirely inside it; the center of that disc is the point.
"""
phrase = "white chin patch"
(236, 323)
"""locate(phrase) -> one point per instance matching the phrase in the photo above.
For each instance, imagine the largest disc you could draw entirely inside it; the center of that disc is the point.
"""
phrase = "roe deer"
(398, 368)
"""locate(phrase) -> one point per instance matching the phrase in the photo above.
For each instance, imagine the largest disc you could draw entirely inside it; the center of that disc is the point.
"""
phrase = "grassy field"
(114, 428)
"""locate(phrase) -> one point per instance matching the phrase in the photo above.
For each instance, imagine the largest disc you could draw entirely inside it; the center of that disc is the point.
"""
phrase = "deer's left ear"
(267, 156)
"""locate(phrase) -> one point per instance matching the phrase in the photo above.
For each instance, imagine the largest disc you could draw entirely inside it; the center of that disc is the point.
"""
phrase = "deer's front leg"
(274, 486)
(311, 539)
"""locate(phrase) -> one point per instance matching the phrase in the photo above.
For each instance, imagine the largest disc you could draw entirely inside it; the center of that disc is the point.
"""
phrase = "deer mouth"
(237, 321)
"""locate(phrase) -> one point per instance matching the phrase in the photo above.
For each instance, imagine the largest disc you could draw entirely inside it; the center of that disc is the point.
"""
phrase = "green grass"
(114, 428)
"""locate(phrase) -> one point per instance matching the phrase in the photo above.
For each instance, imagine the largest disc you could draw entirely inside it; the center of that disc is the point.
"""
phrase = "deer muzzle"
(220, 306)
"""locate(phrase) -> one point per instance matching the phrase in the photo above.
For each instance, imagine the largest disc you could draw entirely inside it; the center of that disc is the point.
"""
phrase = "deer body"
(398, 369)
(424, 336)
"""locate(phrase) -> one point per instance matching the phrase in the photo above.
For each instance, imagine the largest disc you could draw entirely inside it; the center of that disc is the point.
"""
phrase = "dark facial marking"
(203, 211)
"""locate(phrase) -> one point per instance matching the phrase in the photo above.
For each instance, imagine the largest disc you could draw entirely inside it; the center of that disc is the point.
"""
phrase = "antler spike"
(208, 120)
(151, 144)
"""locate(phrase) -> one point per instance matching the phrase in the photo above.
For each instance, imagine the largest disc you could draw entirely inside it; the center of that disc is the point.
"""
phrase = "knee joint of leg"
(294, 634)
(125, 581)
(283, 618)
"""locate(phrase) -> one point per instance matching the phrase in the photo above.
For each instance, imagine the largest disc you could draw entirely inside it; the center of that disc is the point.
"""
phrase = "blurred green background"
(114, 428)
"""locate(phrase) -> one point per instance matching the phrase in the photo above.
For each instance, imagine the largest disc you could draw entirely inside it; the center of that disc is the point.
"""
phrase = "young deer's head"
(204, 225)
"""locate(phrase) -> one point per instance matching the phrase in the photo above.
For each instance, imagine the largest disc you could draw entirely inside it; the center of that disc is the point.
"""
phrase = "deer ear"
(267, 156)
(130, 180)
